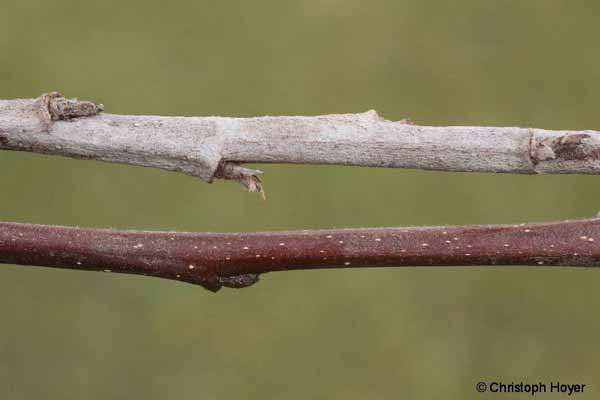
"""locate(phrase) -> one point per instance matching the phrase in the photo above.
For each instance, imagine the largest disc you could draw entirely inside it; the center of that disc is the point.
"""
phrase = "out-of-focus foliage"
(387, 333)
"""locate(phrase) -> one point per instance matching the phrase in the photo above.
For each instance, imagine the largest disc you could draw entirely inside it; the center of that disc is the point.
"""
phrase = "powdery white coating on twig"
(214, 147)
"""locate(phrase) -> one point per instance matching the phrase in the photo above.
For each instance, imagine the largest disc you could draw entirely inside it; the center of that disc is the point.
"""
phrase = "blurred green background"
(385, 333)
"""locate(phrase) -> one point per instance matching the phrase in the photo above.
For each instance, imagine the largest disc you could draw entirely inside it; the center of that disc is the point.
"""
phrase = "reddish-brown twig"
(214, 260)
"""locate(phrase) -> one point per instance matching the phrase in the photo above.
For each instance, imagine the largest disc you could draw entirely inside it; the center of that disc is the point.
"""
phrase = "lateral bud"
(54, 106)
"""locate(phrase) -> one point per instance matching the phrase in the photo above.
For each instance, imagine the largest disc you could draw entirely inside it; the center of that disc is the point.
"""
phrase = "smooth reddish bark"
(214, 260)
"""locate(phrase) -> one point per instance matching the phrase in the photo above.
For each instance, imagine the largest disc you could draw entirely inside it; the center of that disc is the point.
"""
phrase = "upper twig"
(214, 147)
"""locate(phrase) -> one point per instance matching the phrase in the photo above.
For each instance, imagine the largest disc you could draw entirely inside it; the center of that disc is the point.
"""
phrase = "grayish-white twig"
(215, 147)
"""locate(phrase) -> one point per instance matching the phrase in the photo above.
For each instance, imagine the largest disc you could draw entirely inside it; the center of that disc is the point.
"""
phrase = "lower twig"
(236, 260)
